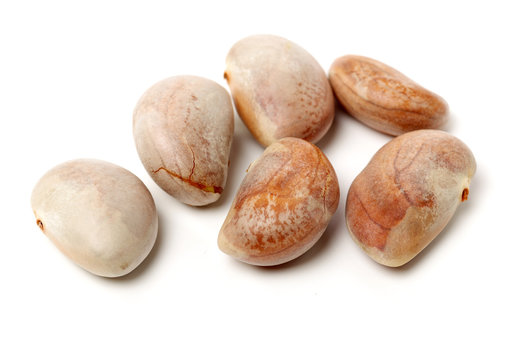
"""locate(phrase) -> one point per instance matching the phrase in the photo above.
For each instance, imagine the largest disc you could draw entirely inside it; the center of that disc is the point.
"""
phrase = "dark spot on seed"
(465, 194)
(40, 224)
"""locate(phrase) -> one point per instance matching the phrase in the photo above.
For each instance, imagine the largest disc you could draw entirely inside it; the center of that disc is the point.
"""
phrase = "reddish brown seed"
(407, 194)
(283, 206)
(383, 98)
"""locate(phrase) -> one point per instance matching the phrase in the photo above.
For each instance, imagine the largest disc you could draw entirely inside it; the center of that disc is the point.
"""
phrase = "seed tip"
(464, 194)
(40, 224)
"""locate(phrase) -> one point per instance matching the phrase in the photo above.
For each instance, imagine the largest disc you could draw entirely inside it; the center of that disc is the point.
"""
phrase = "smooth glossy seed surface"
(279, 89)
(98, 214)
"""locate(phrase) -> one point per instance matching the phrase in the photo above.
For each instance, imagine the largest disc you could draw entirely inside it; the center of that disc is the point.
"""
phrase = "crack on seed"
(193, 164)
(203, 187)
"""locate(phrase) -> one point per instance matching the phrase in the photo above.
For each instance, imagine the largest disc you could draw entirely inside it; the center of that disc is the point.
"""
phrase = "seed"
(183, 128)
(283, 206)
(408, 193)
(279, 89)
(383, 98)
(98, 214)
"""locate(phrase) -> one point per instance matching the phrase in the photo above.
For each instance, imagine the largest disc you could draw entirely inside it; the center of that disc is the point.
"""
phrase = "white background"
(70, 75)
